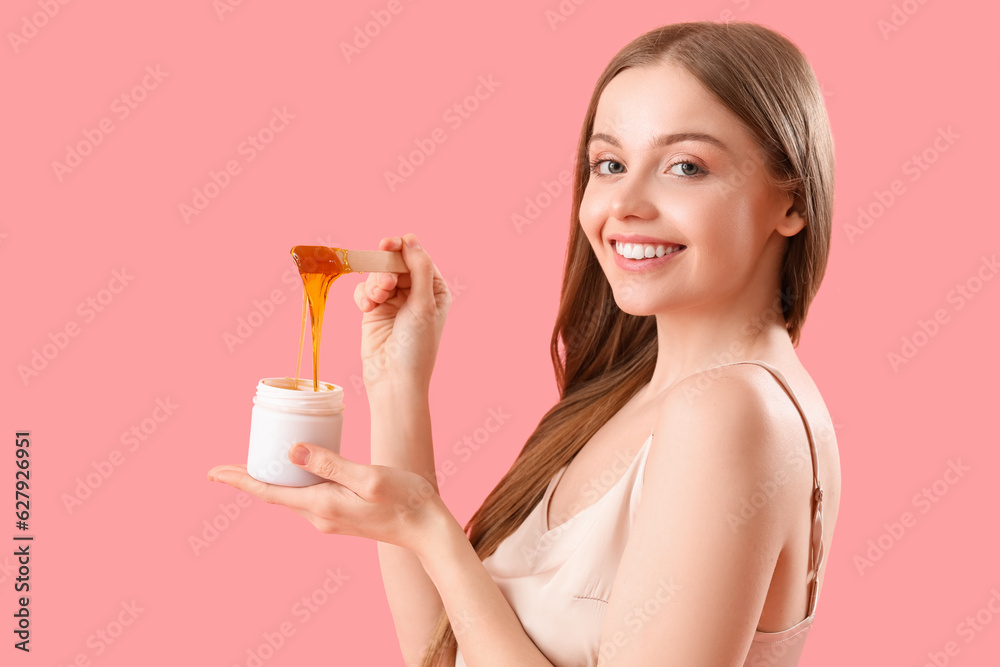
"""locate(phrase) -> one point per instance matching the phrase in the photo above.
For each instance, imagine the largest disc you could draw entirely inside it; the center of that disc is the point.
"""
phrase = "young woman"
(674, 507)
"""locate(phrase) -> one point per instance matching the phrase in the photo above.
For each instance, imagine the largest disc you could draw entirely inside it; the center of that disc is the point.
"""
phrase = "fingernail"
(411, 241)
(299, 455)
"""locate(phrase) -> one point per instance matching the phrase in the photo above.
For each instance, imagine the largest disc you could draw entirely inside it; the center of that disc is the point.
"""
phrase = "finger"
(332, 466)
(238, 478)
(421, 272)
(386, 280)
(379, 286)
(363, 302)
(231, 467)
(366, 299)
(391, 243)
(395, 243)
(403, 281)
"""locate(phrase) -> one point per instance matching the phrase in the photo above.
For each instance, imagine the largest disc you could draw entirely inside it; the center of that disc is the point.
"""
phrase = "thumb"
(325, 463)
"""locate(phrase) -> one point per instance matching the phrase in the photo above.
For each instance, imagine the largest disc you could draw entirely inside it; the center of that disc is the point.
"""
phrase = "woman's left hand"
(373, 501)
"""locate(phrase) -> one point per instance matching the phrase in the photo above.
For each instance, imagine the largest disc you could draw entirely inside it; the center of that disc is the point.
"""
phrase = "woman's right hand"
(404, 315)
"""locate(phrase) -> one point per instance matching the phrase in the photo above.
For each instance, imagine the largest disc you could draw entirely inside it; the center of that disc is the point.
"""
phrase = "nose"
(632, 198)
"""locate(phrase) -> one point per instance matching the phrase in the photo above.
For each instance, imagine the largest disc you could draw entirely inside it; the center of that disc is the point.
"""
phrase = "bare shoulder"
(738, 422)
(740, 409)
(737, 425)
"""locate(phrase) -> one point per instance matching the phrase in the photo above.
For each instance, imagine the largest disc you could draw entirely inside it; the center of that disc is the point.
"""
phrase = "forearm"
(486, 628)
(413, 601)
(401, 431)
(401, 438)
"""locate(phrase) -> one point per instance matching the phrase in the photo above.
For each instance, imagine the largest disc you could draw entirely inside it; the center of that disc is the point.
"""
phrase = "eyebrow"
(665, 139)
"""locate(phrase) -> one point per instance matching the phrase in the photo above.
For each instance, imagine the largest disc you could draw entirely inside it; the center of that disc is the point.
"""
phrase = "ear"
(794, 220)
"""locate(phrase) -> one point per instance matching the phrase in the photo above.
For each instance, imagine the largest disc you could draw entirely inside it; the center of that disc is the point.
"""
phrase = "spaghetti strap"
(816, 531)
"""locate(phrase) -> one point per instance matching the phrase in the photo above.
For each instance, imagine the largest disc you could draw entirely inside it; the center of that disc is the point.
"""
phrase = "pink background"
(321, 179)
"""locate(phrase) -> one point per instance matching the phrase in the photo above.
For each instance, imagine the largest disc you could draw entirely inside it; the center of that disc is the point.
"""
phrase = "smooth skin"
(713, 442)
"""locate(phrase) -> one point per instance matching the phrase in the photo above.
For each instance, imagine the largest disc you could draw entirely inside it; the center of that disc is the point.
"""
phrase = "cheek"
(703, 217)
(591, 217)
(731, 214)
(588, 203)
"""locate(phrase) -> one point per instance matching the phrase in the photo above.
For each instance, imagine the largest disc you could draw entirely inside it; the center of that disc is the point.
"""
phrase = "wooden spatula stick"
(364, 261)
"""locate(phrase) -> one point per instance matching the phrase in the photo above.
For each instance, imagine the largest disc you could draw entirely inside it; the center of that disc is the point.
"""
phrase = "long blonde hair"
(603, 356)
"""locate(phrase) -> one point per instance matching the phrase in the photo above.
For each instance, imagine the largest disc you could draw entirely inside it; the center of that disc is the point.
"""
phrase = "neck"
(696, 338)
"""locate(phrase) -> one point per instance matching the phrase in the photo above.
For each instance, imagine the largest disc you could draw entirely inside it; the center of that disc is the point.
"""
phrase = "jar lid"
(282, 394)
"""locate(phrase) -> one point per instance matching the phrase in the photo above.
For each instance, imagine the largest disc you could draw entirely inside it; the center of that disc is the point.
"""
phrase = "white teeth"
(644, 250)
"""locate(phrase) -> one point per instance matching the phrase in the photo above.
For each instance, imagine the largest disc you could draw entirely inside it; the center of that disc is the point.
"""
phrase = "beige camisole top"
(558, 581)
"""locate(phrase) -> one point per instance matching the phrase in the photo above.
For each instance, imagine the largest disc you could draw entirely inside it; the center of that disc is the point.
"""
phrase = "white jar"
(283, 416)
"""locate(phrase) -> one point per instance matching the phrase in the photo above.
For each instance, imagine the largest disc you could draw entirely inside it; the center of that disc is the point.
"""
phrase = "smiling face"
(677, 180)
